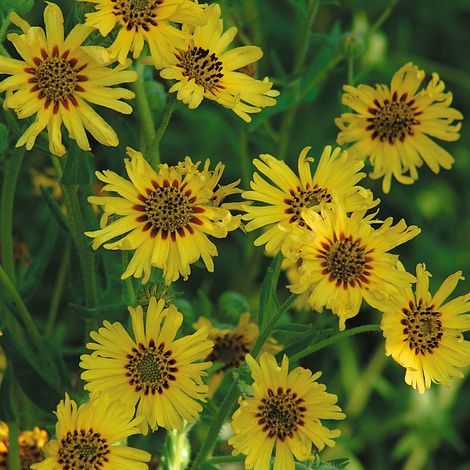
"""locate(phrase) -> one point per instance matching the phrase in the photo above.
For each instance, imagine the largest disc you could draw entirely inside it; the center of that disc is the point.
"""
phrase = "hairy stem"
(10, 179)
(153, 151)
(58, 291)
(333, 339)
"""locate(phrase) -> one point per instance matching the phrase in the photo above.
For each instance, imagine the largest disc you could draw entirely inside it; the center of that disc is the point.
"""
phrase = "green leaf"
(302, 342)
(54, 208)
(7, 403)
(3, 138)
(268, 299)
(35, 369)
(232, 305)
(41, 259)
(156, 95)
(111, 312)
(293, 327)
(336, 464)
(22, 7)
(78, 166)
(204, 305)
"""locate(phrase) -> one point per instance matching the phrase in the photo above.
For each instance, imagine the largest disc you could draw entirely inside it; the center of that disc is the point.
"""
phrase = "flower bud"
(351, 45)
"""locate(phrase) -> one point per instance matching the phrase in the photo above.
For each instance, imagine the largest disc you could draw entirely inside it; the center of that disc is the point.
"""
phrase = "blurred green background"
(389, 425)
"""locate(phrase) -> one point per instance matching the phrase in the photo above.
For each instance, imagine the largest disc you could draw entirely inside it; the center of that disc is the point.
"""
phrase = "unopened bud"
(351, 45)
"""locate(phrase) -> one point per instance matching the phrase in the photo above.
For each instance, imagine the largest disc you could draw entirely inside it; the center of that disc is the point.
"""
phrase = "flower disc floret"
(138, 22)
(283, 195)
(87, 437)
(393, 126)
(57, 78)
(284, 413)
(166, 217)
(425, 335)
(342, 259)
(204, 68)
(154, 372)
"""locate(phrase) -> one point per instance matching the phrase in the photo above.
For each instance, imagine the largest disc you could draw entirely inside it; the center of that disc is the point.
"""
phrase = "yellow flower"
(144, 21)
(29, 442)
(219, 192)
(203, 68)
(392, 126)
(334, 181)
(425, 335)
(342, 260)
(55, 80)
(154, 371)
(167, 215)
(231, 345)
(285, 413)
(87, 437)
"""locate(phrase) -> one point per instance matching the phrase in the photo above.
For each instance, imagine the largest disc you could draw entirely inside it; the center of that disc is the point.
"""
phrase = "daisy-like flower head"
(167, 216)
(203, 68)
(288, 194)
(425, 335)
(344, 259)
(285, 413)
(55, 80)
(144, 21)
(219, 192)
(86, 437)
(153, 371)
(231, 345)
(29, 443)
(392, 126)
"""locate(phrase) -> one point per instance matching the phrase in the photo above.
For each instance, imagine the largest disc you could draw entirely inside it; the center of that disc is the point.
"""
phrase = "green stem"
(245, 158)
(77, 230)
(153, 151)
(211, 436)
(85, 254)
(4, 28)
(57, 292)
(179, 460)
(333, 339)
(351, 71)
(289, 116)
(130, 294)
(10, 179)
(14, 449)
(303, 48)
(362, 390)
(144, 113)
(263, 337)
(226, 459)
(233, 393)
(383, 17)
(12, 293)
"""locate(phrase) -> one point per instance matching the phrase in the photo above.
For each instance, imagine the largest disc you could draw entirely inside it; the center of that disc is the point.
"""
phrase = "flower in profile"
(231, 345)
(87, 437)
(203, 68)
(167, 215)
(144, 21)
(153, 371)
(392, 126)
(287, 194)
(57, 78)
(425, 335)
(344, 259)
(29, 444)
(284, 412)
